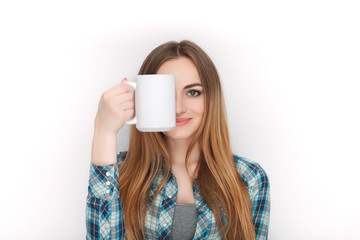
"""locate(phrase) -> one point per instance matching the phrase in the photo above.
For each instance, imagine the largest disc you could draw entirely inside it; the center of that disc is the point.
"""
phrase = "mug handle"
(134, 120)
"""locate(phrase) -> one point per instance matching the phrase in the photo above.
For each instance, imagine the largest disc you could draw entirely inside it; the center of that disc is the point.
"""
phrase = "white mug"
(154, 102)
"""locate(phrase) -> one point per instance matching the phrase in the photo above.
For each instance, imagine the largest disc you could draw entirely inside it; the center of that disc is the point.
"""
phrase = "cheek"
(198, 106)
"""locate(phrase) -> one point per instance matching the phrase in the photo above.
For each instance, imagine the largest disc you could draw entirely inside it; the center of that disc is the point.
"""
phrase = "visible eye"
(194, 93)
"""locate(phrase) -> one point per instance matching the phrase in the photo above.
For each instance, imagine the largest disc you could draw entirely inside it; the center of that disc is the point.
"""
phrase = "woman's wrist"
(103, 148)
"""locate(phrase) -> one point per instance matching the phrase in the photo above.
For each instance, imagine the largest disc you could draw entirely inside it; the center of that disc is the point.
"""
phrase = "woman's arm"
(103, 151)
(104, 215)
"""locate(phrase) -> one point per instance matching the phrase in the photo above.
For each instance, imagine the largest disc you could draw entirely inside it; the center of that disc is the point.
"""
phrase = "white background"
(290, 73)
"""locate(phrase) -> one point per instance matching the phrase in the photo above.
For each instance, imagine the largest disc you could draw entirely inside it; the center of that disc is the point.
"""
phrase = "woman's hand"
(115, 107)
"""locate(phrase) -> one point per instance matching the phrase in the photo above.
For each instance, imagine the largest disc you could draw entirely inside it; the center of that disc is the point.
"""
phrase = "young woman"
(181, 184)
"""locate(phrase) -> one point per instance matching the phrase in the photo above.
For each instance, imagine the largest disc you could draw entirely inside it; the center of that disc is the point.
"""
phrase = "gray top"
(184, 222)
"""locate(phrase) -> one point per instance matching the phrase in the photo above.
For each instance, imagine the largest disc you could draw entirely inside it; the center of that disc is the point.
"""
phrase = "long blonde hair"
(219, 182)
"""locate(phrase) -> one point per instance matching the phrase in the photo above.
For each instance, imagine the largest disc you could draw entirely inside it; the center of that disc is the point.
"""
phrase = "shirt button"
(106, 225)
(107, 191)
(107, 183)
(164, 225)
(107, 173)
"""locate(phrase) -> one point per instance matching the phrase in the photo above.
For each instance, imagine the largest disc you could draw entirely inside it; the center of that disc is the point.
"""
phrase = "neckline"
(186, 204)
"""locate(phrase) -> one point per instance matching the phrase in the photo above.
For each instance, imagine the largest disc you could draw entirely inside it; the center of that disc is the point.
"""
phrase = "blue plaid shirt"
(105, 218)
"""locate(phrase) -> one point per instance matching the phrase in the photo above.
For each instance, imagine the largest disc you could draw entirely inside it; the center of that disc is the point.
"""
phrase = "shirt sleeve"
(104, 215)
(261, 207)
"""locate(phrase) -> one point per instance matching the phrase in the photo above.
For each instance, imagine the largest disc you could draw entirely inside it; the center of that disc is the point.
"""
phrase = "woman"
(181, 184)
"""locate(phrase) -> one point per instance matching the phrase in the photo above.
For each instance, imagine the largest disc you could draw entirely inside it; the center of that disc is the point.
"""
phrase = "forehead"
(183, 68)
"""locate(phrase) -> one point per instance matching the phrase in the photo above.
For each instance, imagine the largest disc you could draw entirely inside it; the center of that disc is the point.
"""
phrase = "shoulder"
(253, 175)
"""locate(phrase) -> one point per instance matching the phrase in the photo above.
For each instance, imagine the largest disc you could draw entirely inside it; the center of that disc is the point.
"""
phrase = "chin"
(178, 134)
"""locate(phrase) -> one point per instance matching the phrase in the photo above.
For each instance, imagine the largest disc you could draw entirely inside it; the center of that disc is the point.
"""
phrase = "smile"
(182, 121)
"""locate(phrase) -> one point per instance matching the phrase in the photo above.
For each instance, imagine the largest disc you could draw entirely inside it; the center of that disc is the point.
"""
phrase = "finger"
(130, 111)
(127, 105)
(119, 88)
(128, 96)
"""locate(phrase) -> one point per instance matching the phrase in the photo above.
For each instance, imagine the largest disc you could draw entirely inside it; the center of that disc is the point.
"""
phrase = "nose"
(180, 105)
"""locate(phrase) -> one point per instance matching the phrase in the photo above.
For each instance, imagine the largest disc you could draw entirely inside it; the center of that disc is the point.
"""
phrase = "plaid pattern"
(105, 219)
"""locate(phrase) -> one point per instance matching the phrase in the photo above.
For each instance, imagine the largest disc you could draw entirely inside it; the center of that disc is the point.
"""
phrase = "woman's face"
(189, 97)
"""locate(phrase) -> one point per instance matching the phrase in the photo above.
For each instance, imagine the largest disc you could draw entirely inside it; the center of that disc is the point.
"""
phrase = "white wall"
(290, 72)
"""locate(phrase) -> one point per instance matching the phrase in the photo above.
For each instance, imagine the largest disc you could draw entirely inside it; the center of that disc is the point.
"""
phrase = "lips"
(180, 120)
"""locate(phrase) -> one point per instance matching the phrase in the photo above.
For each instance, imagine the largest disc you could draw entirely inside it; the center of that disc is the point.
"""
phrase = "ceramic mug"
(154, 102)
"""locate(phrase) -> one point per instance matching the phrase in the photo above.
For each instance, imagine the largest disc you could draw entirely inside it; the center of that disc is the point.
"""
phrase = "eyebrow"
(192, 85)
